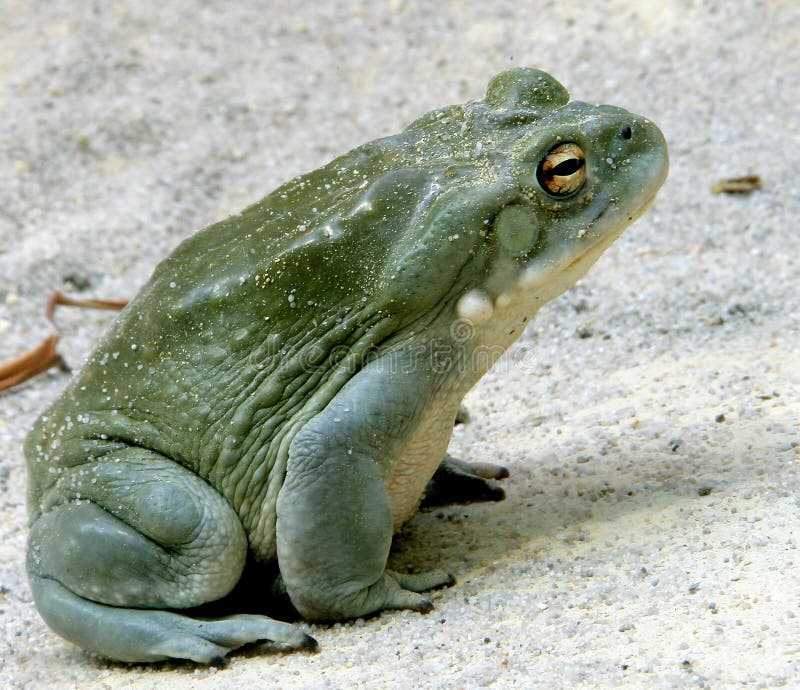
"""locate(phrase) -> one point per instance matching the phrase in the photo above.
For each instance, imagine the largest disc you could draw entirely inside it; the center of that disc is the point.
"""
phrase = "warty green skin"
(271, 391)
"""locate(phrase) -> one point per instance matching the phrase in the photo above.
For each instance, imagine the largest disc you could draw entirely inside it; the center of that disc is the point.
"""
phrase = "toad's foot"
(456, 481)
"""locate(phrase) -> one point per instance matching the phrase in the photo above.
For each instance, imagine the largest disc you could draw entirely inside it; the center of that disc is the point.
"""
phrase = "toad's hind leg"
(131, 534)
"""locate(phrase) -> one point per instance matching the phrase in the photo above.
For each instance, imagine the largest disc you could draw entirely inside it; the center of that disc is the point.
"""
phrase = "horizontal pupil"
(568, 167)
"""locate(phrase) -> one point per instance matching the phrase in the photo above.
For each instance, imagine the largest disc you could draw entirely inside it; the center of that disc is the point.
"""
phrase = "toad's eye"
(563, 170)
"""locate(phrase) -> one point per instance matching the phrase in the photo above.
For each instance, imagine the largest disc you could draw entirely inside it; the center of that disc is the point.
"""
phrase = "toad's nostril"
(626, 133)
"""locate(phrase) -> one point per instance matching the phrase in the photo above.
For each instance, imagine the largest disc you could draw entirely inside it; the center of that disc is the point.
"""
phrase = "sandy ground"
(649, 417)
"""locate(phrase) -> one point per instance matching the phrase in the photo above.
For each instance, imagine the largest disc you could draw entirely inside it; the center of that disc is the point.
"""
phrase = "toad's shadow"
(461, 538)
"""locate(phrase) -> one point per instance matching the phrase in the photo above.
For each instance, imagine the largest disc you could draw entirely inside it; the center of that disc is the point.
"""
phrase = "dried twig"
(44, 356)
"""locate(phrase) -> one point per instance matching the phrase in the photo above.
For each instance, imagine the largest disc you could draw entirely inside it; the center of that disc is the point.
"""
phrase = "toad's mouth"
(536, 275)
(591, 223)
(606, 239)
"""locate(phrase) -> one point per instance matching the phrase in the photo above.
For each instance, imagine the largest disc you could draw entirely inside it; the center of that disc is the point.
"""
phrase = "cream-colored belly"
(422, 455)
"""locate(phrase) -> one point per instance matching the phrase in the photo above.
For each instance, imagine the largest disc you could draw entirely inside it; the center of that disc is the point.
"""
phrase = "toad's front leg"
(334, 528)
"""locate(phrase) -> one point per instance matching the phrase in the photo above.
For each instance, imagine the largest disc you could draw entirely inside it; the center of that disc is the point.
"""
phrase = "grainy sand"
(649, 417)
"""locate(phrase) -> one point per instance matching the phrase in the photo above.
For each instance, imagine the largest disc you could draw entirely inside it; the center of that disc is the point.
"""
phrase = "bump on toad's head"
(525, 89)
